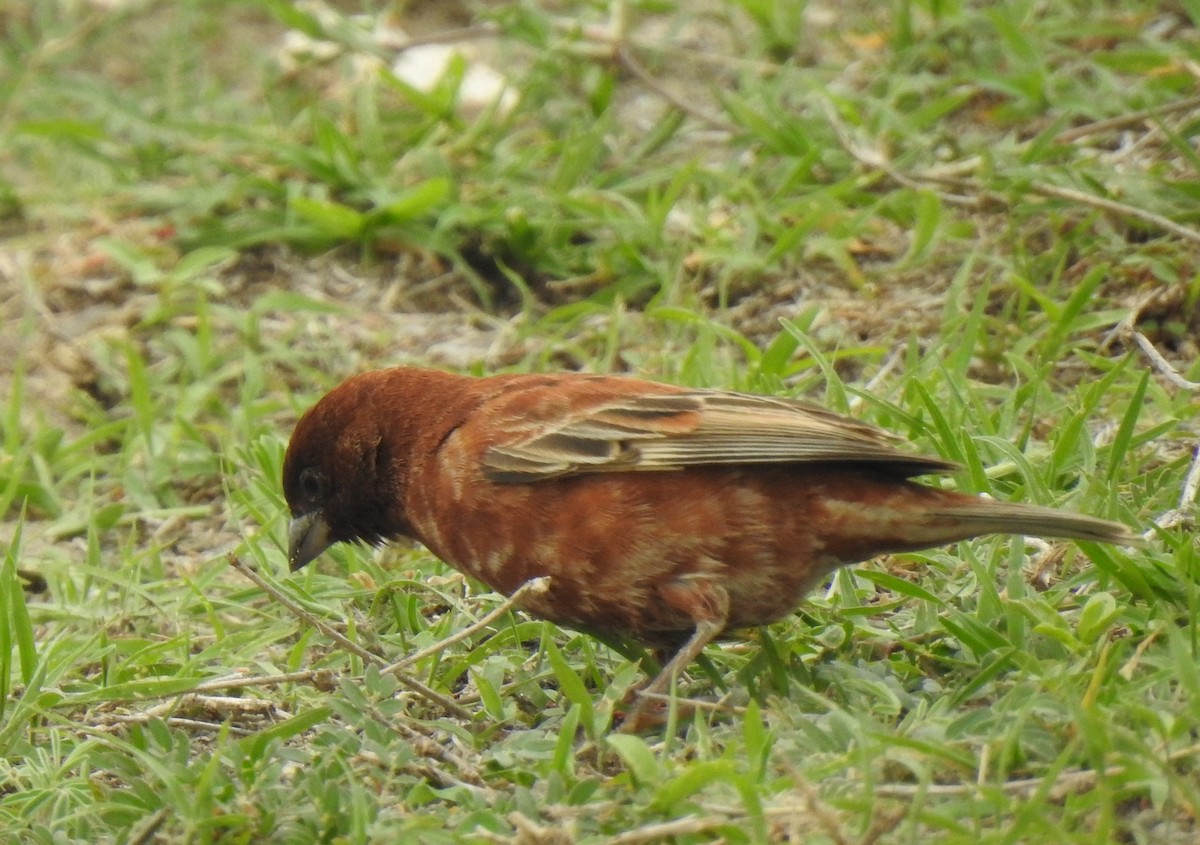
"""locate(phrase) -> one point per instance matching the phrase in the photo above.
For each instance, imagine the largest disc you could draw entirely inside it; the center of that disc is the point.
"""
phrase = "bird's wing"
(668, 431)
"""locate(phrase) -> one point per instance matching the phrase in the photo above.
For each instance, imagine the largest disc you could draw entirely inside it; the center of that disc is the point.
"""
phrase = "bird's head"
(340, 473)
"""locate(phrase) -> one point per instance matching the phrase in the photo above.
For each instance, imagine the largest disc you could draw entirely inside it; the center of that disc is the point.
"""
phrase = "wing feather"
(658, 432)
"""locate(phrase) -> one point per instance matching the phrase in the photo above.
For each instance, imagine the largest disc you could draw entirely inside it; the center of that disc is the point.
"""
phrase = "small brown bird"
(665, 514)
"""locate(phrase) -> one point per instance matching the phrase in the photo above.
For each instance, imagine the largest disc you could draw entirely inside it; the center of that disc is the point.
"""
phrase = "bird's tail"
(986, 516)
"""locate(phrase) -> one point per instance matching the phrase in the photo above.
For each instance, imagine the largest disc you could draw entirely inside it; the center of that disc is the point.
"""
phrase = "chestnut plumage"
(665, 514)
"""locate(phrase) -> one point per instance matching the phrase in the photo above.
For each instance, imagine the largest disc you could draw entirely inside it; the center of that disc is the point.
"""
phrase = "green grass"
(910, 211)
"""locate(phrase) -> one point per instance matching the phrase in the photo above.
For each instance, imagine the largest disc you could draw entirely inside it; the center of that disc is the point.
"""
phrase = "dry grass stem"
(533, 585)
(354, 648)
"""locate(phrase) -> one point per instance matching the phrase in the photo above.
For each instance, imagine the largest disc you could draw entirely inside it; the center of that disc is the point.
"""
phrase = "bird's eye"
(312, 484)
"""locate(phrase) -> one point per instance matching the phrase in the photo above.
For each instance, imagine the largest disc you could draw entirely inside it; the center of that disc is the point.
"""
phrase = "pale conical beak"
(308, 536)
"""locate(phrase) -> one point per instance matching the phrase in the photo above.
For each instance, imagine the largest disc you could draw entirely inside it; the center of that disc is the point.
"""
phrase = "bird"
(663, 514)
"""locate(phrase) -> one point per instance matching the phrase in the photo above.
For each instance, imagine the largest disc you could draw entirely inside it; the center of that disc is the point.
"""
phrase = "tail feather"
(987, 516)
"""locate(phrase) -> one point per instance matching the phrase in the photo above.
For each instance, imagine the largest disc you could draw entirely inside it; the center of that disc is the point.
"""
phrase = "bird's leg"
(707, 603)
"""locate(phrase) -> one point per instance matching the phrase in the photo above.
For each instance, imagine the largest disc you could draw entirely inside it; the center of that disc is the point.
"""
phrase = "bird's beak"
(308, 536)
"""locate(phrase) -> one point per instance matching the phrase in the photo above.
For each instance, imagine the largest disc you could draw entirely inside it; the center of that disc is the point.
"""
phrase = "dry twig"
(689, 825)
(974, 194)
(348, 645)
(322, 679)
(626, 59)
(533, 585)
(1122, 121)
(1119, 208)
